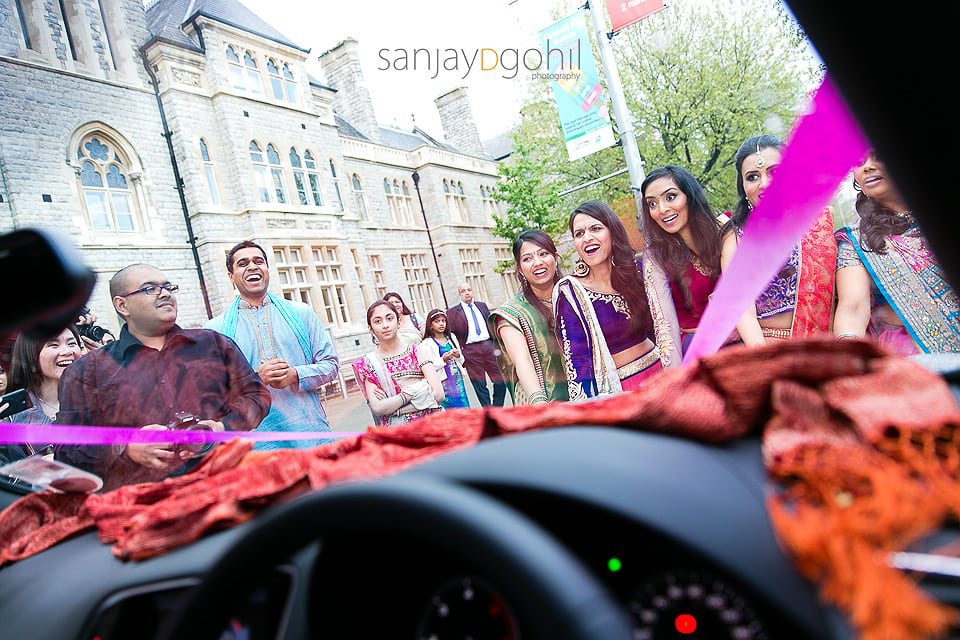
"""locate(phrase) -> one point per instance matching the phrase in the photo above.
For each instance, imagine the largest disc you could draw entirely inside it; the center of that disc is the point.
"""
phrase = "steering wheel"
(553, 596)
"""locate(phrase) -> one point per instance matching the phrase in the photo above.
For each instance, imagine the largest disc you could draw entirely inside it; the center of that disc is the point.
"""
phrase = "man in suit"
(468, 321)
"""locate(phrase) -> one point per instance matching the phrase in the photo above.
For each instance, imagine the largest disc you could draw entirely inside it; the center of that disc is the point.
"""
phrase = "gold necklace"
(700, 267)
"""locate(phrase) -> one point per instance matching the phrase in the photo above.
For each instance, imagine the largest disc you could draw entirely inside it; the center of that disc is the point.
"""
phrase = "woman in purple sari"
(614, 317)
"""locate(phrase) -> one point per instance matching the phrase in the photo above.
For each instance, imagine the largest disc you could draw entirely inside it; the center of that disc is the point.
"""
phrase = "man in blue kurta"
(283, 341)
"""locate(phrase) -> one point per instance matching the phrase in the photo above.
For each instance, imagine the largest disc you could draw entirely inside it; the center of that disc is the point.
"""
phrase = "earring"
(749, 206)
(581, 268)
(523, 281)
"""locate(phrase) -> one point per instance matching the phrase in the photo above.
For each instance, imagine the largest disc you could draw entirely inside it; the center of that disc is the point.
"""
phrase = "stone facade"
(456, 118)
(339, 255)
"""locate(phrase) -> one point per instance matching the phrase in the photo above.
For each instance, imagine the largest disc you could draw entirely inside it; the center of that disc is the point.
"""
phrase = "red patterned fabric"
(818, 265)
(863, 445)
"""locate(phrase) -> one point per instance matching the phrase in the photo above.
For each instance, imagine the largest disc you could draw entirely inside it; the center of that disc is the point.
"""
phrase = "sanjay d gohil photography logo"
(550, 62)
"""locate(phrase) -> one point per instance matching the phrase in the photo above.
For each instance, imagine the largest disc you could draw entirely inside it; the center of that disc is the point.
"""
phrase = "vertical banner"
(584, 117)
(624, 13)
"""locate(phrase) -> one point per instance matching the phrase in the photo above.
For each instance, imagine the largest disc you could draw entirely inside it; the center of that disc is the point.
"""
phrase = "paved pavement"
(351, 413)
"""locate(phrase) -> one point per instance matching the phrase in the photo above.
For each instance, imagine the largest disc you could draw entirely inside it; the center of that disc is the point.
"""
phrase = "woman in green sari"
(529, 355)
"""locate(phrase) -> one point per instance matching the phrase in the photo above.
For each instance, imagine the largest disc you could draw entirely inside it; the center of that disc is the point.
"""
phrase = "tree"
(699, 78)
(531, 201)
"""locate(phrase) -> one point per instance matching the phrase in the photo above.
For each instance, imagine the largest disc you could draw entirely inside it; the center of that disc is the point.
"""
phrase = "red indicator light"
(685, 624)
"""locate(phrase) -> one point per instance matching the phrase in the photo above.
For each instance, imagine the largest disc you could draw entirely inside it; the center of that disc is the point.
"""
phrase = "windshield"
(290, 242)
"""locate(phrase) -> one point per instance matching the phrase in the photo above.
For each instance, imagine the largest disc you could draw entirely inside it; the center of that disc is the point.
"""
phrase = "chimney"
(456, 117)
(341, 65)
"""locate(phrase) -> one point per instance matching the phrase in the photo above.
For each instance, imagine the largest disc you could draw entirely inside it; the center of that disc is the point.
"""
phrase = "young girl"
(397, 386)
(442, 349)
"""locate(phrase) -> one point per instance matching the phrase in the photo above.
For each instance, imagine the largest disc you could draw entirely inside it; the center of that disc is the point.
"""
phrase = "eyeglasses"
(153, 290)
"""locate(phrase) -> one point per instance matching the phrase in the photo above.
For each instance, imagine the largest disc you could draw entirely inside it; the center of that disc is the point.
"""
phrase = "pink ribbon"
(80, 435)
(824, 146)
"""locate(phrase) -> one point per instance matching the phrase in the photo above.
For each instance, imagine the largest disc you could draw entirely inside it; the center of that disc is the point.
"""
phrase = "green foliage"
(531, 201)
(699, 79)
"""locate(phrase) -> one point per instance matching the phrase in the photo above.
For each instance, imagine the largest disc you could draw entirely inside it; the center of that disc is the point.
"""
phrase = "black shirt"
(127, 384)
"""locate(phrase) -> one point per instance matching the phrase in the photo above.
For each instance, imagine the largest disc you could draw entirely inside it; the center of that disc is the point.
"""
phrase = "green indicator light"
(614, 564)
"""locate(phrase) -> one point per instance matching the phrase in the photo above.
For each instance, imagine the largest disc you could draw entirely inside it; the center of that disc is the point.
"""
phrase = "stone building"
(167, 133)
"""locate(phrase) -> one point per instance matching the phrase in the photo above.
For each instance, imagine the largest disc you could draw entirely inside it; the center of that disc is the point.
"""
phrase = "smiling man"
(283, 340)
(153, 375)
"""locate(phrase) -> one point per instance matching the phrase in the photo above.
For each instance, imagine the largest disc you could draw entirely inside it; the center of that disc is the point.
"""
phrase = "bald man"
(154, 375)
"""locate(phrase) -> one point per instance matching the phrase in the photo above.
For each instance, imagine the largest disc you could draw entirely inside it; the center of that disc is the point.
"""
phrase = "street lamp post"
(416, 185)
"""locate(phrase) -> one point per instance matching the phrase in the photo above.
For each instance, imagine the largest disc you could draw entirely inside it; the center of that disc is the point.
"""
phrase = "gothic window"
(359, 202)
(260, 172)
(254, 83)
(336, 185)
(276, 173)
(107, 194)
(276, 83)
(235, 69)
(289, 84)
(299, 179)
(209, 172)
(313, 177)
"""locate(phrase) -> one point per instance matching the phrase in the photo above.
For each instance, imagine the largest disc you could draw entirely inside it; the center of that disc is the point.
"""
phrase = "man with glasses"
(154, 375)
(284, 340)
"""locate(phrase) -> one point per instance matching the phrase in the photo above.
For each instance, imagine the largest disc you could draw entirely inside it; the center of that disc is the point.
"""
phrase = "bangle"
(538, 397)
(849, 336)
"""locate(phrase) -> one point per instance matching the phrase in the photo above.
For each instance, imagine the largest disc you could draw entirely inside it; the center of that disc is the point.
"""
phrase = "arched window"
(276, 172)
(275, 82)
(235, 69)
(359, 202)
(456, 201)
(313, 177)
(490, 207)
(336, 185)
(210, 173)
(289, 84)
(260, 172)
(393, 202)
(299, 179)
(107, 195)
(254, 83)
(408, 202)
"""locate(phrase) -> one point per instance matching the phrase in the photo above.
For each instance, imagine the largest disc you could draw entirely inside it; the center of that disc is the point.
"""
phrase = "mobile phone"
(17, 400)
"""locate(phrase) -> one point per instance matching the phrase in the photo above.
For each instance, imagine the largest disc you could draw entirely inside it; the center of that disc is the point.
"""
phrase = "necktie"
(476, 322)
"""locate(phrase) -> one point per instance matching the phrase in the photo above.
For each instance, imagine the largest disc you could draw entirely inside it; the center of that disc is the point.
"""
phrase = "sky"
(430, 24)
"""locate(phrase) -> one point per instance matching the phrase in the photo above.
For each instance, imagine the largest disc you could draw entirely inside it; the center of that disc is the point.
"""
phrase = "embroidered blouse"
(780, 295)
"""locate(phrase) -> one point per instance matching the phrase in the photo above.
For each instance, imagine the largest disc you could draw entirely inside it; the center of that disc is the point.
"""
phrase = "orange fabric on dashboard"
(864, 448)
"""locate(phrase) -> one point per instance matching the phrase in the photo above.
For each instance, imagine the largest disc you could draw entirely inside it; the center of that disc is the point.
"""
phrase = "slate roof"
(166, 17)
(499, 147)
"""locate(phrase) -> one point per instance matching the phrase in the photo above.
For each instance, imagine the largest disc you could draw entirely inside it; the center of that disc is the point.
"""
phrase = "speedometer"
(692, 604)
(467, 608)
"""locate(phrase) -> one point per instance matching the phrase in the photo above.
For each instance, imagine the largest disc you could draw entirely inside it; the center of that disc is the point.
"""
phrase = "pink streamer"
(81, 435)
(825, 145)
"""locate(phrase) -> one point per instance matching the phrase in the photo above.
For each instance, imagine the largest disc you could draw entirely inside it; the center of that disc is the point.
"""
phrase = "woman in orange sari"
(798, 301)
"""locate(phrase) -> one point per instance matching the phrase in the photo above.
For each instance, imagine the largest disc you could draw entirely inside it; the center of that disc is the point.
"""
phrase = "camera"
(183, 421)
(92, 331)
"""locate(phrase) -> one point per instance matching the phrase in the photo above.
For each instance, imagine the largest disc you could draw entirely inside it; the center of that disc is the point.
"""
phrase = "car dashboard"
(688, 553)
